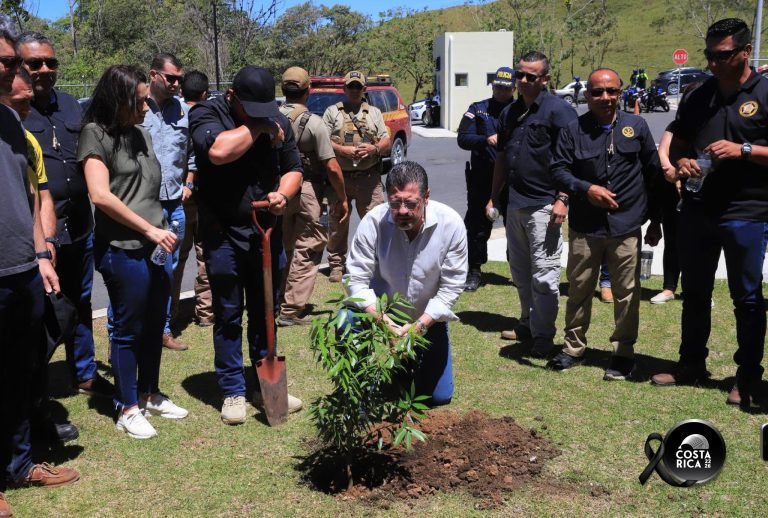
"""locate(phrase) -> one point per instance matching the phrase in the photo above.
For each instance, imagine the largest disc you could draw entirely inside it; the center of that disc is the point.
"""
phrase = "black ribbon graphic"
(656, 465)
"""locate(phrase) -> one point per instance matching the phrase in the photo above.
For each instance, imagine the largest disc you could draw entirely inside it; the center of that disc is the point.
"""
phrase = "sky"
(55, 9)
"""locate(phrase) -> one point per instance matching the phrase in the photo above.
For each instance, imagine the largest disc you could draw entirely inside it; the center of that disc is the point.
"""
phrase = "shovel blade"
(274, 388)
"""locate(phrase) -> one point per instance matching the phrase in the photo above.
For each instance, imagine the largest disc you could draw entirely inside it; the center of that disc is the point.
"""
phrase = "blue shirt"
(57, 129)
(478, 123)
(528, 136)
(623, 159)
(171, 140)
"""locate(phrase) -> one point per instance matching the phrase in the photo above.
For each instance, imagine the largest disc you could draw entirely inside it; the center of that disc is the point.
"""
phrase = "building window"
(462, 80)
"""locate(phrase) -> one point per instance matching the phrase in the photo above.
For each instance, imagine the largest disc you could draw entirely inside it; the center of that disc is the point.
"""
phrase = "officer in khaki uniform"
(304, 238)
(359, 138)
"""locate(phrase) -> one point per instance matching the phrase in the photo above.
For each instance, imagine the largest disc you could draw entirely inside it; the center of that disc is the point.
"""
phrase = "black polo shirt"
(734, 189)
(226, 191)
(62, 119)
(583, 158)
(528, 136)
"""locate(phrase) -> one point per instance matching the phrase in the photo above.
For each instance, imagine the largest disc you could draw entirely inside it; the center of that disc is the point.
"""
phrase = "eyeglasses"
(171, 78)
(409, 204)
(722, 55)
(519, 75)
(11, 62)
(37, 64)
(355, 86)
(598, 92)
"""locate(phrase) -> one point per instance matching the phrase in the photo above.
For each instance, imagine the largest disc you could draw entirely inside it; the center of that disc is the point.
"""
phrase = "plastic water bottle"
(324, 222)
(705, 163)
(159, 255)
(646, 260)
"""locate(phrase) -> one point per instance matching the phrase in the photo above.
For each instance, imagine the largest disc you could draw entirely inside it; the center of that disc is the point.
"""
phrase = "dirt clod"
(484, 456)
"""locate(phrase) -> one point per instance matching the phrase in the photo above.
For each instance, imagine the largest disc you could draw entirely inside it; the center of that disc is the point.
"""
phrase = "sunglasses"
(11, 62)
(598, 92)
(171, 78)
(37, 64)
(722, 55)
(409, 204)
(519, 75)
(355, 86)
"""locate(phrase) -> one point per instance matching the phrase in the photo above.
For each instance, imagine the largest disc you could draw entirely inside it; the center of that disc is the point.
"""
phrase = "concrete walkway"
(497, 248)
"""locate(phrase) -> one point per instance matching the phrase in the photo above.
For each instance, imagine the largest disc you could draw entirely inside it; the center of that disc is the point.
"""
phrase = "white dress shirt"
(430, 271)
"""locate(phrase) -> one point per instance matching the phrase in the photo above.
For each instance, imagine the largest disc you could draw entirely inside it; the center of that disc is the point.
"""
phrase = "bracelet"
(562, 198)
(283, 195)
(421, 326)
(44, 255)
(53, 240)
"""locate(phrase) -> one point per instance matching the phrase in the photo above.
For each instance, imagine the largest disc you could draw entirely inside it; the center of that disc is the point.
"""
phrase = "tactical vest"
(355, 131)
(313, 168)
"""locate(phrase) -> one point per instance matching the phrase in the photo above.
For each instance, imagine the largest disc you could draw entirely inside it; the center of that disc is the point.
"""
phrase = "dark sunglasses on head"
(598, 92)
(519, 75)
(37, 64)
(355, 86)
(722, 55)
(11, 62)
(171, 78)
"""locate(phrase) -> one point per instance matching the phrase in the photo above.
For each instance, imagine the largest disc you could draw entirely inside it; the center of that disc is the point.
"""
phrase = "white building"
(465, 64)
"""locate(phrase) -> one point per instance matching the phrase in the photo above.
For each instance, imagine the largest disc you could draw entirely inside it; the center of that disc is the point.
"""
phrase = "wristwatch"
(44, 255)
(562, 198)
(53, 240)
(190, 186)
(746, 150)
(420, 326)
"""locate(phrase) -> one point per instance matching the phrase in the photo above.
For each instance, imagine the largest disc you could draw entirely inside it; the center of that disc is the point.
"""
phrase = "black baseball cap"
(255, 88)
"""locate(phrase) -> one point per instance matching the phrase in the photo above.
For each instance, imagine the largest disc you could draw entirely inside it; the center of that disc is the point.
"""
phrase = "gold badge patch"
(628, 131)
(748, 109)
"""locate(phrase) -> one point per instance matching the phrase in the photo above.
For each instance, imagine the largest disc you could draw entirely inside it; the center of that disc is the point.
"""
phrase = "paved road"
(444, 162)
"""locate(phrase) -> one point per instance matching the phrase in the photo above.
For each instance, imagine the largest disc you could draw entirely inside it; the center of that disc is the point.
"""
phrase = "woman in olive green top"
(123, 177)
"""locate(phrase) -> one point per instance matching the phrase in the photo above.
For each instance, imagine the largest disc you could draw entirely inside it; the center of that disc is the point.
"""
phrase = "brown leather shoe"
(606, 295)
(169, 342)
(46, 475)
(734, 397)
(96, 386)
(684, 374)
(5, 507)
(519, 334)
(335, 275)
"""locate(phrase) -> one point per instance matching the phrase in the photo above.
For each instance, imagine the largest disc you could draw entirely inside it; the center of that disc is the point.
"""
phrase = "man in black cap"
(477, 133)
(246, 151)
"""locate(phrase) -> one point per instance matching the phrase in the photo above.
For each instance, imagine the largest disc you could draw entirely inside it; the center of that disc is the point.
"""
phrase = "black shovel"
(271, 369)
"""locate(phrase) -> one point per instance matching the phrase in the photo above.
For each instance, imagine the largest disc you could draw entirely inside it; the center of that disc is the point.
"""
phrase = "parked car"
(567, 92)
(417, 110)
(667, 79)
(325, 91)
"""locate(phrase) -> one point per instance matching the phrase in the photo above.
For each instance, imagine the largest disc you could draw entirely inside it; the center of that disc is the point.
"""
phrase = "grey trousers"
(534, 246)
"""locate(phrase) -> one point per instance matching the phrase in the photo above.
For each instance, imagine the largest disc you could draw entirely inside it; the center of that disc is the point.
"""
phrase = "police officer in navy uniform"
(477, 133)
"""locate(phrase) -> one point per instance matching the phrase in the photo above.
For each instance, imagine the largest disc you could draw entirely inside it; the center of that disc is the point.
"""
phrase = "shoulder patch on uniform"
(628, 131)
(469, 115)
(748, 109)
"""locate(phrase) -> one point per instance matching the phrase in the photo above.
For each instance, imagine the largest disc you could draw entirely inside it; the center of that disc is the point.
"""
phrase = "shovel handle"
(266, 262)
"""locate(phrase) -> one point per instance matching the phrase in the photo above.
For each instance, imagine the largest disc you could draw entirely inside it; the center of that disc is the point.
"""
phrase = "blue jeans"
(74, 265)
(21, 320)
(138, 291)
(605, 275)
(173, 210)
(701, 238)
(237, 283)
(434, 372)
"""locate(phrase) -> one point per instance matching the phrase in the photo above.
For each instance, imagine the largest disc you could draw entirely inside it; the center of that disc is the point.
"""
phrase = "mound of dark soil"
(484, 456)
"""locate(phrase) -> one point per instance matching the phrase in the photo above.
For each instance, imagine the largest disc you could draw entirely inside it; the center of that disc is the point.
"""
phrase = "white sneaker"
(661, 298)
(233, 410)
(135, 425)
(294, 404)
(158, 404)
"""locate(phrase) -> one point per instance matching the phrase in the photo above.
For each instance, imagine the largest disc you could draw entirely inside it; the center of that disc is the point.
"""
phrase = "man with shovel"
(245, 152)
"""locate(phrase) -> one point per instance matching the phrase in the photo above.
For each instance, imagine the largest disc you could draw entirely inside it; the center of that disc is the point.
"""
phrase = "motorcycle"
(653, 98)
(432, 111)
(629, 97)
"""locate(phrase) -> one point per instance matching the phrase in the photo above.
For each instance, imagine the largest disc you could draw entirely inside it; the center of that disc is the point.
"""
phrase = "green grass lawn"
(200, 467)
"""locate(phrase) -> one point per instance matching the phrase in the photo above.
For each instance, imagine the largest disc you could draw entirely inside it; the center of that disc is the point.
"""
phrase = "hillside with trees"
(578, 35)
